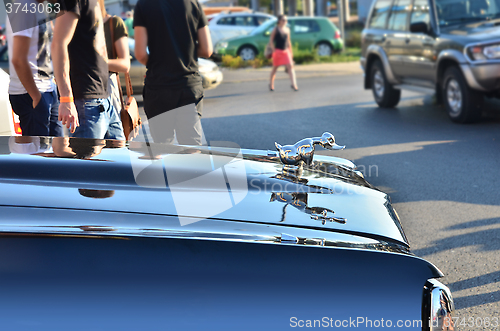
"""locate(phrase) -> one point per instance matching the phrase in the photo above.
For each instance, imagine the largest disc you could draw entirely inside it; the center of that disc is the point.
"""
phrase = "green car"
(307, 32)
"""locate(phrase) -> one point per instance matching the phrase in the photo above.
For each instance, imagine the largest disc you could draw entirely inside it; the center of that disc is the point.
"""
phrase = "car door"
(376, 31)
(398, 37)
(304, 33)
(422, 57)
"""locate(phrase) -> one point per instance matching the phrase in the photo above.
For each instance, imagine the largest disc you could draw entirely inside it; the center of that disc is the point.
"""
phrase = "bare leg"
(291, 73)
(273, 75)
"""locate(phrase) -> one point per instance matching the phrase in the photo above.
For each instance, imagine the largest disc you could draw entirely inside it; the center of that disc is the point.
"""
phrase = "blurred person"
(129, 23)
(282, 52)
(3, 39)
(176, 33)
(32, 92)
(81, 70)
(116, 36)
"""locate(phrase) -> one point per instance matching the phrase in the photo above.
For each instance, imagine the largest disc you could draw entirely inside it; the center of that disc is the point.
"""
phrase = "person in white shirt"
(32, 91)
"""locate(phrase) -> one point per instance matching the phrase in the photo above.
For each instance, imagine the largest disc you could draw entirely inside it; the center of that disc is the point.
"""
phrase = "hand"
(68, 115)
(36, 100)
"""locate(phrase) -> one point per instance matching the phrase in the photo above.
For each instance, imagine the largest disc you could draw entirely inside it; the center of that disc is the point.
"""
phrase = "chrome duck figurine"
(303, 150)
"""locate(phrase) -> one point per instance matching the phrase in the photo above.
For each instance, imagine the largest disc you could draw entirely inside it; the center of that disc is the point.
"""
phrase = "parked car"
(225, 26)
(306, 32)
(209, 71)
(447, 47)
(105, 235)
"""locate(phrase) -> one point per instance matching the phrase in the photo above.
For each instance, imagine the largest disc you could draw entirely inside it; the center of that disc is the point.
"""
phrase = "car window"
(225, 21)
(460, 11)
(264, 27)
(243, 21)
(420, 12)
(379, 16)
(260, 19)
(306, 26)
(398, 18)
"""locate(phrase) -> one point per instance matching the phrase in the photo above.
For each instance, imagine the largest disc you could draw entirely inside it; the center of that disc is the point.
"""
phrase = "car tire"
(462, 103)
(247, 53)
(385, 95)
(324, 49)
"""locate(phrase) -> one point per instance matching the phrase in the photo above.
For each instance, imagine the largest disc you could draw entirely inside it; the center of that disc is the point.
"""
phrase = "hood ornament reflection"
(299, 201)
(293, 156)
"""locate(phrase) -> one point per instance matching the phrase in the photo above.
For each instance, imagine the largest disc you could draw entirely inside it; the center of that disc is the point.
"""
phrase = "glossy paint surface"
(328, 190)
(51, 283)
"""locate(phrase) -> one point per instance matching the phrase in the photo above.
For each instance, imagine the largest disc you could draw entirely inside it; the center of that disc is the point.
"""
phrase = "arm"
(122, 62)
(271, 39)
(20, 48)
(141, 44)
(63, 33)
(205, 48)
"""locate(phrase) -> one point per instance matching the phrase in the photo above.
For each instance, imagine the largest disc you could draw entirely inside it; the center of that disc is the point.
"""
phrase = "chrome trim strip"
(441, 307)
(101, 224)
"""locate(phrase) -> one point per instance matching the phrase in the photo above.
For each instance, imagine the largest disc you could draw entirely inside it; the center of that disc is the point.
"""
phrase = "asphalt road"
(441, 176)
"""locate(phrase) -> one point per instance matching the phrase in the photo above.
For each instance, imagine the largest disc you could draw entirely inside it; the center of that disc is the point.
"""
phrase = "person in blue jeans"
(32, 92)
(98, 119)
(81, 69)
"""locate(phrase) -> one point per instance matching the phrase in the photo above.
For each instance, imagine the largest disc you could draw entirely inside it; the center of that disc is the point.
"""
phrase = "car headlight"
(482, 53)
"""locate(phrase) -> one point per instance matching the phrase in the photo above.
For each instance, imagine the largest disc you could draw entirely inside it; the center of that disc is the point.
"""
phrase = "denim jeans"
(98, 119)
(41, 120)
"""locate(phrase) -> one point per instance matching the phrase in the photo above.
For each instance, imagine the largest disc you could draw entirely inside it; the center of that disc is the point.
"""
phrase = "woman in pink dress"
(282, 51)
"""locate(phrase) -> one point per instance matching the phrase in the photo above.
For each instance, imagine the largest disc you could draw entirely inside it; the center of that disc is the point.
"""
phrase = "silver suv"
(447, 47)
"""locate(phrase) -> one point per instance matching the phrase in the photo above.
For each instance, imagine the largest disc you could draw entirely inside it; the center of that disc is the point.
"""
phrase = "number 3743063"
(472, 322)
(32, 8)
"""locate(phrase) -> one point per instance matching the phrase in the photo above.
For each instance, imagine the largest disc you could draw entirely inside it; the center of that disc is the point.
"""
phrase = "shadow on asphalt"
(439, 161)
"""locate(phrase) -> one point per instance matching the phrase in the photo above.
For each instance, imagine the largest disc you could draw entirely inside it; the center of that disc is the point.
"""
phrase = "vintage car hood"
(196, 184)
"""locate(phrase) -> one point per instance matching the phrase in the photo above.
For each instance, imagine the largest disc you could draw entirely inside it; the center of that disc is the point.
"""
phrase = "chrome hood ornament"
(303, 150)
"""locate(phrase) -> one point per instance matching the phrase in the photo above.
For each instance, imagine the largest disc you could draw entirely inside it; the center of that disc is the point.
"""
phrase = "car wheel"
(324, 49)
(247, 53)
(462, 103)
(385, 95)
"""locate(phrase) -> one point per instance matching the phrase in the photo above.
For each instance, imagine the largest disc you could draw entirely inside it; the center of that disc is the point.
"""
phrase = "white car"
(225, 26)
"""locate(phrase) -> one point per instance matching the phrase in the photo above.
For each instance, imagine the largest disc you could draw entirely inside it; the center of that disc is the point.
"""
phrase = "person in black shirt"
(81, 70)
(176, 33)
